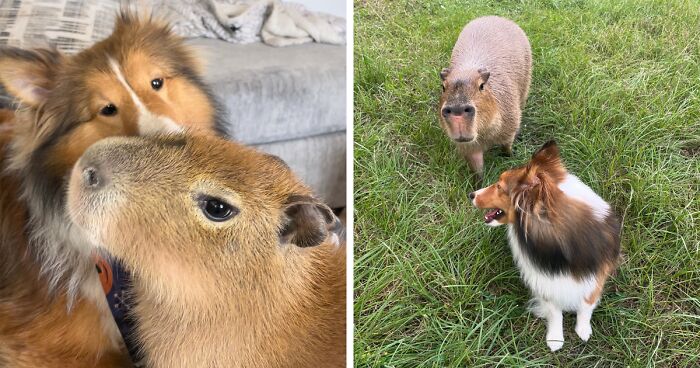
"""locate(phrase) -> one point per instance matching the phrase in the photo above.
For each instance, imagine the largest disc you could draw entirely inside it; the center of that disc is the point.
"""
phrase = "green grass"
(617, 84)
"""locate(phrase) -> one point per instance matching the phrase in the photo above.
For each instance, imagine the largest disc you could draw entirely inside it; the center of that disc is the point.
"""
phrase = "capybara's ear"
(308, 222)
(29, 75)
(485, 74)
(444, 73)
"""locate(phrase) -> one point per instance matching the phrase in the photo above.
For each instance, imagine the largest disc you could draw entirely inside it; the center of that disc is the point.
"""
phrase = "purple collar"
(116, 283)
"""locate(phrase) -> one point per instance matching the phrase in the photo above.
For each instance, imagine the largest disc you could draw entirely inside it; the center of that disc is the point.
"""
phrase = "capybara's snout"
(93, 171)
(458, 118)
(90, 174)
(92, 178)
(460, 128)
(463, 110)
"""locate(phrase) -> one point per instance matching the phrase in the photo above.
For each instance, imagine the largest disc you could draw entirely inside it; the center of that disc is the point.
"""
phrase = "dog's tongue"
(489, 216)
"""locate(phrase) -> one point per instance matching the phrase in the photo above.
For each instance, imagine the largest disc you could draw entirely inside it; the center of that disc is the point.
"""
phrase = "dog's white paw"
(584, 331)
(555, 345)
(555, 340)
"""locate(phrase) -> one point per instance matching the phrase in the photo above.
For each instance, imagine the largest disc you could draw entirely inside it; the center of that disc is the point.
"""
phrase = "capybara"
(234, 262)
(485, 87)
(141, 79)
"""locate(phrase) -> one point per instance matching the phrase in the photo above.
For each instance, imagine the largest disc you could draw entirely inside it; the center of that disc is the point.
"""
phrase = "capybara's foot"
(508, 150)
(478, 180)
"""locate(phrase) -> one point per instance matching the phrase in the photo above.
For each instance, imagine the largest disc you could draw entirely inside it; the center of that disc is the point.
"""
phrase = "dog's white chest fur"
(562, 290)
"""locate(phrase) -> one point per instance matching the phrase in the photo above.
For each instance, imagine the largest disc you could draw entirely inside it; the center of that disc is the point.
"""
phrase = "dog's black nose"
(472, 195)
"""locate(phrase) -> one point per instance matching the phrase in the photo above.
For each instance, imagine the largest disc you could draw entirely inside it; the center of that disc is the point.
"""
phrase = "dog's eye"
(498, 186)
(481, 87)
(217, 210)
(109, 110)
(157, 84)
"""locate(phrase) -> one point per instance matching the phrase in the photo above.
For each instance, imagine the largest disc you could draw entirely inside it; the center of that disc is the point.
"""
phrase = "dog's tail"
(536, 307)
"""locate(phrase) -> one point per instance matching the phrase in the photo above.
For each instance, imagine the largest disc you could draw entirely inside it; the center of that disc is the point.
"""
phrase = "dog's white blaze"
(493, 222)
(574, 188)
(476, 195)
(148, 122)
(565, 292)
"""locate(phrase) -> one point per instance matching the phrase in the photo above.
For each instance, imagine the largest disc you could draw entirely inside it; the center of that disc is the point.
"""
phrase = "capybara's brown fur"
(485, 87)
(53, 311)
(235, 263)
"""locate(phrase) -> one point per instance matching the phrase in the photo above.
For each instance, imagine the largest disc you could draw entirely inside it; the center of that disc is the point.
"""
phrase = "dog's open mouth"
(493, 214)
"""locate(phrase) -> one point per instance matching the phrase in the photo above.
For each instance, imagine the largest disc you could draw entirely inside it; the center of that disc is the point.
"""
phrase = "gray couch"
(287, 101)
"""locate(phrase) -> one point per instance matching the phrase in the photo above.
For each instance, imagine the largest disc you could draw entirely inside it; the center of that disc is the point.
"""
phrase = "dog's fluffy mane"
(559, 235)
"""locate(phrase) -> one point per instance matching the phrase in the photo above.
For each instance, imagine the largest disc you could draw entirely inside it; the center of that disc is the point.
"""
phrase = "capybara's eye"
(481, 87)
(157, 83)
(109, 110)
(217, 210)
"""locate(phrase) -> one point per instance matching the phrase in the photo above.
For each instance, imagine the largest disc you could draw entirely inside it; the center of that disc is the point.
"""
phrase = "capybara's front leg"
(475, 159)
(508, 145)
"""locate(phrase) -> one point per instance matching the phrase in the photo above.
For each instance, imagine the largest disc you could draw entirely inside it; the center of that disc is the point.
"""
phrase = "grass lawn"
(617, 84)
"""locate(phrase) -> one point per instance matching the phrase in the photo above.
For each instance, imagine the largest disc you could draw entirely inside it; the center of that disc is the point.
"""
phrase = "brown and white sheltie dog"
(565, 239)
(141, 79)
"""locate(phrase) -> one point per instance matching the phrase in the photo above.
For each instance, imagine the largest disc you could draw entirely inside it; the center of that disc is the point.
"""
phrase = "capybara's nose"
(458, 110)
(472, 195)
(93, 178)
(90, 177)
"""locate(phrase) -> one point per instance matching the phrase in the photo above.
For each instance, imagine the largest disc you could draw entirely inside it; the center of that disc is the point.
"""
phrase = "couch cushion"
(275, 94)
(319, 161)
(70, 26)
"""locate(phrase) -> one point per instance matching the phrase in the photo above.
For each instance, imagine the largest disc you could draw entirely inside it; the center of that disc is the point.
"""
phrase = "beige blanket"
(274, 22)
(282, 23)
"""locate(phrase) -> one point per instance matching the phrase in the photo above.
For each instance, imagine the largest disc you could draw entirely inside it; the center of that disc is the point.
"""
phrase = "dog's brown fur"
(52, 310)
(489, 73)
(36, 328)
(263, 289)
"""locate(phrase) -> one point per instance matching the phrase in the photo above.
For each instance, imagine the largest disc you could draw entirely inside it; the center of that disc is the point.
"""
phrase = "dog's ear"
(546, 158)
(308, 222)
(444, 73)
(530, 179)
(548, 153)
(29, 75)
